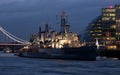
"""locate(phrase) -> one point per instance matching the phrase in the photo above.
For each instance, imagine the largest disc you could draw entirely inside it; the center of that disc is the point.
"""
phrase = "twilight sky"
(23, 17)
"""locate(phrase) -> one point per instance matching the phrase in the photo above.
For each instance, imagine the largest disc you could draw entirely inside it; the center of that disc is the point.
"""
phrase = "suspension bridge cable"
(14, 38)
(13, 35)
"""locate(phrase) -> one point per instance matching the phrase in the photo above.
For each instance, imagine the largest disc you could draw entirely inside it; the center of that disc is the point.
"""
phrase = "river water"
(13, 65)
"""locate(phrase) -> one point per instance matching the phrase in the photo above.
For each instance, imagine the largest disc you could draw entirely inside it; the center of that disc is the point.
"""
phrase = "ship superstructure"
(53, 39)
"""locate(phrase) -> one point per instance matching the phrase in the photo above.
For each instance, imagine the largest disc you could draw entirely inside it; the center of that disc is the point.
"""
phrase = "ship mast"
(46, 31)
(64, 27)
(39, 32)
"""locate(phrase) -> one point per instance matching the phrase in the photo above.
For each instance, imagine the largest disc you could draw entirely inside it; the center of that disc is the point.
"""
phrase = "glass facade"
(117, 7)
(105, 28)
(93, 30)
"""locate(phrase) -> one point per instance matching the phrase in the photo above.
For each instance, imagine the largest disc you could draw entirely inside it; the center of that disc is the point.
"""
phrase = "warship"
(49, 44)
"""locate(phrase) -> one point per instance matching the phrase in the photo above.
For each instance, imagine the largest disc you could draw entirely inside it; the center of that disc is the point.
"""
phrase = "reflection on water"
(13, 65)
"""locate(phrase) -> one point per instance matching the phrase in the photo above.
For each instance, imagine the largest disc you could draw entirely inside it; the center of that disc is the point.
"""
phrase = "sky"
(23, 17)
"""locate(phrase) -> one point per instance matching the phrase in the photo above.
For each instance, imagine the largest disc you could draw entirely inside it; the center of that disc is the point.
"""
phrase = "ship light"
(57, 45)
(53, 45)
(114, 47)
(60, 46)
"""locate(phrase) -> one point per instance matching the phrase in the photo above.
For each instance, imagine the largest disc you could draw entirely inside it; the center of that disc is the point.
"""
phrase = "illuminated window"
(99, 34)
(113, 26)
(107, 14)
(113, 38)
(118, 6)
(109, 10)
(105, 18)
(113, 18)
(112, 14)
(98, 31)
(117, 20)
(116, 33)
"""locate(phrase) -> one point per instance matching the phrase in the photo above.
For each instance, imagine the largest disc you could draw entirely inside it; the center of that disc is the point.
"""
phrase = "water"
(13, 65)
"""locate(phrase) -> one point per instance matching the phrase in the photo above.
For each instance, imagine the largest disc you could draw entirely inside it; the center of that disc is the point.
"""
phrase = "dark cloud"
(23, 17)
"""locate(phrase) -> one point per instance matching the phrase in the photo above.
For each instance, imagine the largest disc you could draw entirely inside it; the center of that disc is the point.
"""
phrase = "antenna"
(63, 15)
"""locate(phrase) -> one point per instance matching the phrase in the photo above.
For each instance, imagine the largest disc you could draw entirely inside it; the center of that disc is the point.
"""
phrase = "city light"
(110, 6)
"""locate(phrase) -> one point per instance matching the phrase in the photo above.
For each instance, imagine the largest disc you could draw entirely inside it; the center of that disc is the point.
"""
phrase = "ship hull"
(81, 53)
